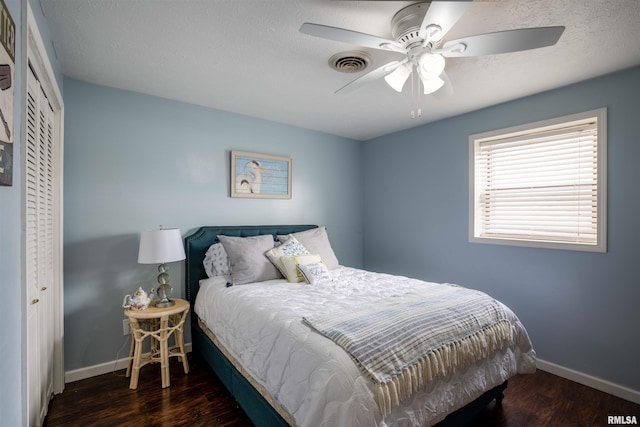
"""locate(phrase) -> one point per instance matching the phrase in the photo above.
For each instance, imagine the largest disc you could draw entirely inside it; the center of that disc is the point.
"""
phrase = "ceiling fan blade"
(370, 76)
(503, 41)
(351, 37)
(444, 14)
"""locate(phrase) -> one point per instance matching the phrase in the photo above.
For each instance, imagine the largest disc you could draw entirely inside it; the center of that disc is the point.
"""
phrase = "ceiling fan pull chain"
(413, 96)
(416, 111)
(419, 95)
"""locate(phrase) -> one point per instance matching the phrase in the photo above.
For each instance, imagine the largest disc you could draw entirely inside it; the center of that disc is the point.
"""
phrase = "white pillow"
(316, 241)
(248, 263)
(290, 265)
(314, 273)
(216, 262)
(291, 248)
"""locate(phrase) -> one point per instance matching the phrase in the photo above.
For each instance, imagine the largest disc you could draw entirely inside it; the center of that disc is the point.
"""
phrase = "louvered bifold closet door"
(39, 183)
(31, 172)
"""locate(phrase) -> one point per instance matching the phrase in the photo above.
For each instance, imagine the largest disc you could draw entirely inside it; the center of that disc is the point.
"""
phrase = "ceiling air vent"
(349, 62)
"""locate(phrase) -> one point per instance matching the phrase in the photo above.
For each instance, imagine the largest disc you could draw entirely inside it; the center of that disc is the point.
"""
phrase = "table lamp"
(161, 247)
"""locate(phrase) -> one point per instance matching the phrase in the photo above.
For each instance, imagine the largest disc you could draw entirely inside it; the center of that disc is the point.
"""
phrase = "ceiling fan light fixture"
(431, 65)
(397, 78)
(432, 84)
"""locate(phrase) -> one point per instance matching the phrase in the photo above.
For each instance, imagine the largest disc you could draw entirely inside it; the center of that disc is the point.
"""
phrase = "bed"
(296, 375)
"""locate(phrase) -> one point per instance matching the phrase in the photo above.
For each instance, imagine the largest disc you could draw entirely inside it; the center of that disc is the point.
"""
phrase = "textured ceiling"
(248, 56)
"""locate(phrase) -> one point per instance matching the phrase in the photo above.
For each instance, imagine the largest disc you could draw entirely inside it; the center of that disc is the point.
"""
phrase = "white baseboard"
(570, 374)
(103, 368)
(590, 381)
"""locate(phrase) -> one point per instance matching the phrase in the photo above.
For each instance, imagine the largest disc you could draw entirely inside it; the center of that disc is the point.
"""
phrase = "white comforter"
(312, 378)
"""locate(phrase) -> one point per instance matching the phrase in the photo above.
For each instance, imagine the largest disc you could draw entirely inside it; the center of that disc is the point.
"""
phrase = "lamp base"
(164, 289)
(164, 303)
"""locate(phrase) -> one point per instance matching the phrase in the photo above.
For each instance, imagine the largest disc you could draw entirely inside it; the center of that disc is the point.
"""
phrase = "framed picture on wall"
(260, 175)
(7, 89)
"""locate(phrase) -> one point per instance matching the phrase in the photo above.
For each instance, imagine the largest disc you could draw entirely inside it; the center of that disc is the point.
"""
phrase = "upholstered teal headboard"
(197, 244)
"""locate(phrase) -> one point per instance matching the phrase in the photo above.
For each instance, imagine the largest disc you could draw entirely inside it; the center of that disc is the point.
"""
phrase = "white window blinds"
(540, 184)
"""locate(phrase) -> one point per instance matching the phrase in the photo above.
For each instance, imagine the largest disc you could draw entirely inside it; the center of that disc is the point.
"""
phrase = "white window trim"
(601, 246)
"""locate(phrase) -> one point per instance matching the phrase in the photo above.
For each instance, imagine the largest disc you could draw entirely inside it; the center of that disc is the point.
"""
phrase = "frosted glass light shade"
(431, 65)
(431, 85)
(161, 246)
(399, 76)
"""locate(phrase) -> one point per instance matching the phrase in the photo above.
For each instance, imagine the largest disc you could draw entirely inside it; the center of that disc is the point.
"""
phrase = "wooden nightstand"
(158, 324)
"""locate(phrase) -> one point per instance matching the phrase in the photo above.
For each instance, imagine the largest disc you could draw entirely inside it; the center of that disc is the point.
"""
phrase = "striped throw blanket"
(404, 342)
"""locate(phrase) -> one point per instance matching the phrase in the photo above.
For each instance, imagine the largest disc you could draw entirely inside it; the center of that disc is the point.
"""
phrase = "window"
(541, 184)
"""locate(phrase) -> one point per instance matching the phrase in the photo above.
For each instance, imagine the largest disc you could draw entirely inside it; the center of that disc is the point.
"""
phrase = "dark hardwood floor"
(199, 399)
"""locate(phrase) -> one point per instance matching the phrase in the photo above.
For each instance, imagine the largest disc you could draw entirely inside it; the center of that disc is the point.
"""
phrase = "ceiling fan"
(418, 31)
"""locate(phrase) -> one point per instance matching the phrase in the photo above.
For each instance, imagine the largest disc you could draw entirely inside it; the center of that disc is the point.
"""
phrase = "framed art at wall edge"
(260, 175)
(7, 74)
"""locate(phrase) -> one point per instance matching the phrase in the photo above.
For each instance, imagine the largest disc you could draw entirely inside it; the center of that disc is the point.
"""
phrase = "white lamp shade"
(399, 76)
(431, 85)
(431, 65)
(160, 246)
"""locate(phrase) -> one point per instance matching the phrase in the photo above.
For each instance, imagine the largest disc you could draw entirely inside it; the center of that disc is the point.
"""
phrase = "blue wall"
(580, 309)
(134, 162)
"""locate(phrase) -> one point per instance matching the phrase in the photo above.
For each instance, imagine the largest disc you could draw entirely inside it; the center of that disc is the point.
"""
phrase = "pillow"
(316, 241)
(314, 273)
(248, 263)
(291, 248)
(215, 281)
(290, 265)
(216, 262)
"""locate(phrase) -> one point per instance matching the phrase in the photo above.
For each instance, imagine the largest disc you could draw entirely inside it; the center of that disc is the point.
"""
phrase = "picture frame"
(261, 176)
(7, 91)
